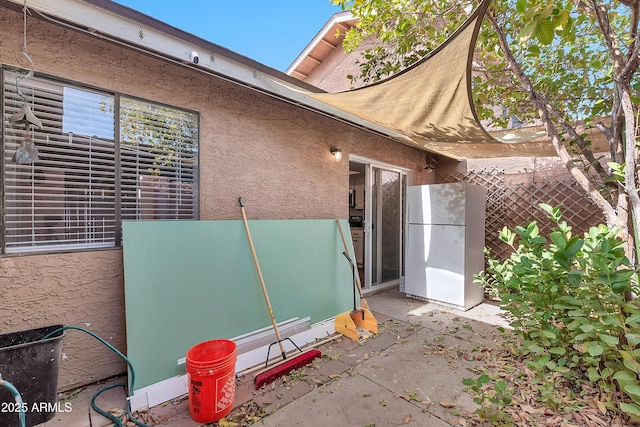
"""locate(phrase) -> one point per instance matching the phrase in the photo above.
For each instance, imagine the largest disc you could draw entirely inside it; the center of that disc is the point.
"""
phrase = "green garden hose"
(18, 398)
(117, 421)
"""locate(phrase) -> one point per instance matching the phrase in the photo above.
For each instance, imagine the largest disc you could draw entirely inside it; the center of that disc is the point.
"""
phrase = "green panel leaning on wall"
(191, 281)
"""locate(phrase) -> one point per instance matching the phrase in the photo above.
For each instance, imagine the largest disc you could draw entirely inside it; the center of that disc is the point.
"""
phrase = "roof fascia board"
(335, 19)
(99, 22)
(150, 34)
(107, 18)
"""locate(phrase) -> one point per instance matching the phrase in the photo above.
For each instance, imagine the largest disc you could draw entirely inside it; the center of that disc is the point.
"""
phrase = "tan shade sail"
(431, 103)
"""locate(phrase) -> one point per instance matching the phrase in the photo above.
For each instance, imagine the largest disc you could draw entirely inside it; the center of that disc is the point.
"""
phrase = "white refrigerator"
(444, 244)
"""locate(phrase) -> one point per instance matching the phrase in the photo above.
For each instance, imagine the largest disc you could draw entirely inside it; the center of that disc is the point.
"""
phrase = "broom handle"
(264, 287)
(346, 248)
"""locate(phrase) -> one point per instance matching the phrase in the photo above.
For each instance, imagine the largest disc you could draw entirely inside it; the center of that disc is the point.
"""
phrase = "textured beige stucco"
(331, 75)
(274, 155)
(83, 289)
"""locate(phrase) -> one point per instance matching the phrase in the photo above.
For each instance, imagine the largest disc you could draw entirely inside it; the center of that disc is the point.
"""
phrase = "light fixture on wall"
(336, 152)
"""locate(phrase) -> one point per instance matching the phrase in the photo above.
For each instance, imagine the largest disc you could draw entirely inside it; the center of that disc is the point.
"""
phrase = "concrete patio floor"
(409, 373)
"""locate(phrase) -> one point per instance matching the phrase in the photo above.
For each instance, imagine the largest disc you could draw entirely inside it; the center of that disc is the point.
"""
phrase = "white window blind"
(69, 198)
(159, 155)
(64, 200)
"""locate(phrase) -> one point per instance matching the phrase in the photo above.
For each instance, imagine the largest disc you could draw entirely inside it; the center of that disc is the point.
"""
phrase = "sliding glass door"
(384, 225)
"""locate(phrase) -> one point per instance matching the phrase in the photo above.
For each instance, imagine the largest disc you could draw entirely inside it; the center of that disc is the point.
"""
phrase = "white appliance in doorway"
(444, 244)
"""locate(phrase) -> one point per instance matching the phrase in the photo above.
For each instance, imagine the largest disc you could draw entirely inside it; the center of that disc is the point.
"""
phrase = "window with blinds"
(158, 154)
(86, 178)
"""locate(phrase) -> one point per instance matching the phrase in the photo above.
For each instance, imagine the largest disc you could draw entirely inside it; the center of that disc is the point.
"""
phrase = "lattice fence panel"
(518, 204)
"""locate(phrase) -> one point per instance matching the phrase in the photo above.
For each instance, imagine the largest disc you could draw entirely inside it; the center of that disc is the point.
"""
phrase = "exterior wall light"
(336, 152)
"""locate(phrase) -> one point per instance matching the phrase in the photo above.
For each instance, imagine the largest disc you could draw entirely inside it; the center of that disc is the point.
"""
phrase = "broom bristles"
(276, 372)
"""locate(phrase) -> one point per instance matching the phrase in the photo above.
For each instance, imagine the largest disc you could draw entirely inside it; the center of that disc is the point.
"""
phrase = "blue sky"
(268, 31)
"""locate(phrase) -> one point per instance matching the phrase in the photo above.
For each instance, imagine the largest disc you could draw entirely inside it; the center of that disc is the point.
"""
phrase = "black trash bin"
(31, 364)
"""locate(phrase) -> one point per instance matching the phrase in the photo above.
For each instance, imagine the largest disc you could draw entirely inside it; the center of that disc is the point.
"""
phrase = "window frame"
(114, 242)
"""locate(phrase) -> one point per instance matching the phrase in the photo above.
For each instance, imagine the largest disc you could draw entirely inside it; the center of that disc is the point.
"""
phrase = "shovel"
(363, 300)
(348, 323)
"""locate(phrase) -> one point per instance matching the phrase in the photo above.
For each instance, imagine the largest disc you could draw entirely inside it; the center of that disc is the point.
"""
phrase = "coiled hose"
(117, 421)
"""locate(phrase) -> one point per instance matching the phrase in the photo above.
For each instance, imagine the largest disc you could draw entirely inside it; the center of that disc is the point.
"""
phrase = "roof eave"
(113, 22)
(336, 19)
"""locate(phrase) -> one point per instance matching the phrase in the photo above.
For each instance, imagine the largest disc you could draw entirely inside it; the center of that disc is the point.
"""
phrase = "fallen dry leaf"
(223, 422)
(407, 419)
(596, 419)
(447, 404)
(527, 408)
(554, 421)
(403, 396)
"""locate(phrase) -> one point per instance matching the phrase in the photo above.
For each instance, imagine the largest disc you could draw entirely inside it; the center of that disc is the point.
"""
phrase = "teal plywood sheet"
(192, 281)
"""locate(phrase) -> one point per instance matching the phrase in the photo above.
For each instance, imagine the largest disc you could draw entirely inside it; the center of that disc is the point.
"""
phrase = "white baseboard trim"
(171, 388)
(263, 336)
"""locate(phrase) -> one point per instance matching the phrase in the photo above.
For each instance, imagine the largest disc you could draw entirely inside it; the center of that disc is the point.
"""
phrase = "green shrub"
(564, 297)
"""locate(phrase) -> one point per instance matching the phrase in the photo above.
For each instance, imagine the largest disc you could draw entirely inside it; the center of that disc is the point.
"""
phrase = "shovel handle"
(353, 271)
(347, 257)
(344, 243)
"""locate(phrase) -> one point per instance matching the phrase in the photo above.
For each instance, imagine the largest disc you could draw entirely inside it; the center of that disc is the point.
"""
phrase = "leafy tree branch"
(564, 64)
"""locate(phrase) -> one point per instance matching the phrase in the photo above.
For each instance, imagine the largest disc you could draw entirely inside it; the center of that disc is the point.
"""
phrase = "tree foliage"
(568, 64)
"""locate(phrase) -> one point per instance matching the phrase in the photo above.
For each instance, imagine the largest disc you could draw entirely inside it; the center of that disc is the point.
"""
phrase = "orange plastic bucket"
(211, 367)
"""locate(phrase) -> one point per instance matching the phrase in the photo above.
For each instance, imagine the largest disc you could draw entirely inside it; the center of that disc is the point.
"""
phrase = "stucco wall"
(83, 289)
(332, 74)
(274, 155)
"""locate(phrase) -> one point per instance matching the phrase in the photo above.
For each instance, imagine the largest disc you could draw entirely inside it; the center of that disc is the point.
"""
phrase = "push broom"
(288, 365)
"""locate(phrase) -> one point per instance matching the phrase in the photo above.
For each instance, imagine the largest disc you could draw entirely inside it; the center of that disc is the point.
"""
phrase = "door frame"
(369, 165)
